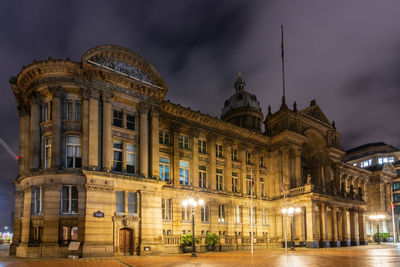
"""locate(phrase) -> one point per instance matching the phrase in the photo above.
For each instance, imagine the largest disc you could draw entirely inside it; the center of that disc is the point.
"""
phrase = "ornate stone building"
(106, 161)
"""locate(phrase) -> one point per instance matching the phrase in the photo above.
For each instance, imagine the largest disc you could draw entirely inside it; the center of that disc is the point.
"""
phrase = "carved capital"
(155, 111)
(100, 188)
(212, 137)
(94, 93)
(144, 107)
(106, 97)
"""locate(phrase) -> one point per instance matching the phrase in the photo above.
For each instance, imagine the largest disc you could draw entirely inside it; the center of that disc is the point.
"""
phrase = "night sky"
(344, 54)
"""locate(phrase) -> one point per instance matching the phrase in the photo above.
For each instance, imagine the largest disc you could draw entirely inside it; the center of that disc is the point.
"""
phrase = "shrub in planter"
(384, 237)
(186, 242)
(212, 240)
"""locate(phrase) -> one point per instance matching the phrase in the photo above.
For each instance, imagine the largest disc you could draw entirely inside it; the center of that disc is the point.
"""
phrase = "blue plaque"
(98, 214)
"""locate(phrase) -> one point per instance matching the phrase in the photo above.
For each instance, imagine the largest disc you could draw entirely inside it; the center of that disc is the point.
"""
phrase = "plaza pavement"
(371, 255)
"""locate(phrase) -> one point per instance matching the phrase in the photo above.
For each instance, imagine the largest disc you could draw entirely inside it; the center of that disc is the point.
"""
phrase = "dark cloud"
(344, 54)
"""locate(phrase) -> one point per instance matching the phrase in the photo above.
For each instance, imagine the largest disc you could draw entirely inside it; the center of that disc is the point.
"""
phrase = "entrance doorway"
(126, 241)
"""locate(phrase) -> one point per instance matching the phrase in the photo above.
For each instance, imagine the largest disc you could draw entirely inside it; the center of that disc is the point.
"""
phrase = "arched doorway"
(126, 241)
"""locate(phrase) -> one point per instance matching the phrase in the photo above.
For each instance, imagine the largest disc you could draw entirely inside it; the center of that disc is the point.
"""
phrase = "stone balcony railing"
(175, 240)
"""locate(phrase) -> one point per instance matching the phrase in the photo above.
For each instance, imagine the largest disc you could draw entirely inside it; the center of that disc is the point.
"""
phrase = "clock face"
(121, 68)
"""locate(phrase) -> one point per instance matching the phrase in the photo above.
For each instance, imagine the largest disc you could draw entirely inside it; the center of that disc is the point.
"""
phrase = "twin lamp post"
(193, 204)
(291, 211)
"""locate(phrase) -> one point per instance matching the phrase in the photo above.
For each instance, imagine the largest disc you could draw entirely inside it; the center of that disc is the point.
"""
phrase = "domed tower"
(242, 108)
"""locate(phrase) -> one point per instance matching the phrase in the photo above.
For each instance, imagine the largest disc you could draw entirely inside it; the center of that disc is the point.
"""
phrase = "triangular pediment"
(316, 112)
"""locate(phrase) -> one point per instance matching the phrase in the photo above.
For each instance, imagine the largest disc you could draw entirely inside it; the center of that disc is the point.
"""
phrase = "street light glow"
(201, 202)
(184, 203)
(297, 210)
(284, 210)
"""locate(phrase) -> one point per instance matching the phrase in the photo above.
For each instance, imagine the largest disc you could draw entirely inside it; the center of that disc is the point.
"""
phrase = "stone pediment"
(316, 113)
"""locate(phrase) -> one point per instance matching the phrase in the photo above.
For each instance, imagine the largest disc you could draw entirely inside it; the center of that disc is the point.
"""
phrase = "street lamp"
(291, 211)
(377, 218)
(193, 203)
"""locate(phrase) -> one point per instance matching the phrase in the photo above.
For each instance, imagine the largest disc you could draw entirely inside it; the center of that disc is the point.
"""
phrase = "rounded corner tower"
(243, 108)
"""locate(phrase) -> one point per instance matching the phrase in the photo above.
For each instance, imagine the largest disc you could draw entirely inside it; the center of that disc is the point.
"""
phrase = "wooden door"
(126, 241)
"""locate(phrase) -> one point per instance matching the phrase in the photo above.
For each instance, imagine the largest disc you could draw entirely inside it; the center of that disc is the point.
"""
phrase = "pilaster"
(155, 146)
(34, 132)
(93, 135)
(56, 127)
(107, 134)
(355, 241)
(144, 140)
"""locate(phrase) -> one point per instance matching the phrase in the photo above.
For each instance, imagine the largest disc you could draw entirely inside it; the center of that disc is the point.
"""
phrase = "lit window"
(132, 205)
(366, 163)
(265, 217)
(36, 200)
(130, 158)
(130, 122)
(219, 180)
(166, 208)
(186, 214)
(69, 199)
(164, 169)
(164, 137)
(74, 159)
(385, 160)
(237, 214)
(68, 234)
(396, 186)
(68, 113)
(117, 156)
(202, 146)
(183, 141)
(262, 161)
(202, 176)
(119, 202)
(205, 213)
(221, 213)
(234, 154)
(354, 164)
(262, 187)
(183, 172)
(218, 151)
(45, 112)
(47, 153)
(254, 216)
(74, 233)
(235, 179)
(117, 118)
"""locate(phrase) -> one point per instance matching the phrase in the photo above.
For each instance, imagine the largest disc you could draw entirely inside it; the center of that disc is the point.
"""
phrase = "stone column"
(93, 138)
(361, 228)
(144, 140)
(344, 242)
(25, 224)
(18, 212)
(56, 128)
(85, 129)
(355, 241)
(194, 175)
(297, 166)
(175, 161)
(334, 241)
(302, 225)
(155, 146)
(243, 170)
(284, 170)
(228, 166)
(323, 226)
(256, 174)
(211, 140)
(311, 242)
(23, 140)
(34, 132)
(107, 151)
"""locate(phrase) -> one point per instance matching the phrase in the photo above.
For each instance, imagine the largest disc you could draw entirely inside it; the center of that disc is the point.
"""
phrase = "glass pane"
(130, 148)
(78, 162)
(119, 201)
(117, 145)
(73, 139)
(130, 158)
(164, 160)
(70, 151)
(77, 151)
(131, 203)
(74, 206)
(130, 168)
(183, 164)
(74, 233)
(65, 206)
(74, 192)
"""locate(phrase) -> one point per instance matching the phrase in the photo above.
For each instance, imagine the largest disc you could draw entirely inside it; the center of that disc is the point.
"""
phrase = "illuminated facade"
(106, 161)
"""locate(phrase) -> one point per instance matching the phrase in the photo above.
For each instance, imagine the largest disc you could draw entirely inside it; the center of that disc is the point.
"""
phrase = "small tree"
(212, 240)
(187, 240)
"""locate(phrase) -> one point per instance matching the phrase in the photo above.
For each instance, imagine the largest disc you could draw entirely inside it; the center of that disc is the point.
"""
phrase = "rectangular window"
(234, 154)
(385, 160)
(132, 205)
(202, 176)
(68, 113)
(248, 158)
(186, 214)
(69, 199)
(47, 153)
(262, 187)
(130, 158)
(396, 186)
(248, 184)
(237, 211)
(221, 213)
(130, 122)
(46, 112)
(254, 216)
(117, 156)
(366, 163)
(396, 197)
(218, 151)
(74, 233)
(74, 159)
(166, 207)
(265, 217)
(77, 111)
(183, 141)
(205, 213)
(235, 182)
(219, 180)
(262, 161)
(202, 146)
(119, 202)
(164, 169)
(163, 137)
(36, 200)
(183, 172)
(117, 118)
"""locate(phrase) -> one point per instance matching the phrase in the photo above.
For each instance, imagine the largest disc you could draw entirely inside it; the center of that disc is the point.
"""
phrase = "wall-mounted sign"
(98, 214)
(146, 248)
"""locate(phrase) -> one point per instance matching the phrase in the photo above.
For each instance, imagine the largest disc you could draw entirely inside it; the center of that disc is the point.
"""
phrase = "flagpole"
(251, 215)
(283, 70)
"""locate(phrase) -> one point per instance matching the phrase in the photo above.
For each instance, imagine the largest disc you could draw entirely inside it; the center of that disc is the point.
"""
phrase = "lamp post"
(291, 211)
(377, 218)
(193, 204)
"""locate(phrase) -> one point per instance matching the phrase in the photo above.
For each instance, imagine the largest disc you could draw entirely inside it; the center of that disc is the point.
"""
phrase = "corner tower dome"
(242, 108)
